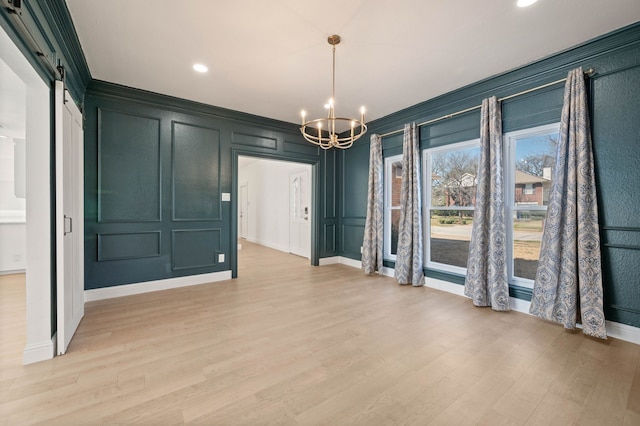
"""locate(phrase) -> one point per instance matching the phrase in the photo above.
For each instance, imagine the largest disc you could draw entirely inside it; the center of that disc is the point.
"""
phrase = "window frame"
(509, 142)
(426, 203)
(388, 177)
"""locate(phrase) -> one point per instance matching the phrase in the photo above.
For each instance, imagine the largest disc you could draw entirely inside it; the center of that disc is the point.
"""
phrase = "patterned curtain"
(373, 228)
(408, 269)
(569, 268)
(486, 281)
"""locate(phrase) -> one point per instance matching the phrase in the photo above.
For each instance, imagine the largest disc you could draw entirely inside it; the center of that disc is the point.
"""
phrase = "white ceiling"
(271, 58)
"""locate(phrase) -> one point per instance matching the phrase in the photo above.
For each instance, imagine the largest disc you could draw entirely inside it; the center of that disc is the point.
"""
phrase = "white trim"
(616, 330)
(150, 286)
(510, 141)
(427, 208)
(627, 333)
(13, 216)
(387, 195)
(39, 351)
(444, 286)
(351, 262)
(13, 271)
(329, 260)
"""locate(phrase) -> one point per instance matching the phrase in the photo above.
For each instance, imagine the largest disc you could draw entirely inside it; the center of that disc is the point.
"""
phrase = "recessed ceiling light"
(200, 67)
(526, 3)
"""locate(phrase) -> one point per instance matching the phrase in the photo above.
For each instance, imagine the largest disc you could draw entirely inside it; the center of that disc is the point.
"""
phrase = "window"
(529, 160)
(392, 185)
(528, 189)
(450, 192)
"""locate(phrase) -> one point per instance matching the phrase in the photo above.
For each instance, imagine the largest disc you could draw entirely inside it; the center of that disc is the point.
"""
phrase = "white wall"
(40, 345)
(13, 248)
(268, 200)
(13, 231)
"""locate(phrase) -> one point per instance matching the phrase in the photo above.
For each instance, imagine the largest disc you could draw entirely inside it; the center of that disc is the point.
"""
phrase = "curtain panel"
(486, 282)
(409, 259)
(568, 281)
(373, 228)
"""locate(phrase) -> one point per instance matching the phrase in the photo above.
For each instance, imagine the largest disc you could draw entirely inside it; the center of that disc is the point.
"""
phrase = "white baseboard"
(149, 286)
(456, 289)
(16, 271)
(41, 351)
(616, 330)
(625, 332)
(351, 262)
(329, 260)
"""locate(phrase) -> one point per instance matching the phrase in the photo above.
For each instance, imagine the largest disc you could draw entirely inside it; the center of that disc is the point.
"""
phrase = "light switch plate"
(226, 196)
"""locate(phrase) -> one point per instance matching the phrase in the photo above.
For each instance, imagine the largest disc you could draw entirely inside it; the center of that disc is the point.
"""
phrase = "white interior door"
(300, 214)
(69, 217)
(244, 211)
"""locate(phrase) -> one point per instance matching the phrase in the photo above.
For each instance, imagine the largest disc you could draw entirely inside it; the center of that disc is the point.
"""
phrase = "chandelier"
(325, 132)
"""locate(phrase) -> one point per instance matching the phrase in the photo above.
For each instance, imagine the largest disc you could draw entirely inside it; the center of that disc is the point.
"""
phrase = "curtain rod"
(588, 72)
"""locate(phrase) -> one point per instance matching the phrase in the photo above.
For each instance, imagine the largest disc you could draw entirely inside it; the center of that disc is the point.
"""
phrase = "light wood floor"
(287, 343)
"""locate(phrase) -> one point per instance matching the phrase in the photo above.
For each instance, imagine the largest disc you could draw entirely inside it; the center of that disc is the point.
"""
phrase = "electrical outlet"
(360, 249)
(221, 258)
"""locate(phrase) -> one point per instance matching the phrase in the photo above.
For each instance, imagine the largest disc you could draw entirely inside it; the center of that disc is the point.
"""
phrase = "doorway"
(36, 96)
(267, 215)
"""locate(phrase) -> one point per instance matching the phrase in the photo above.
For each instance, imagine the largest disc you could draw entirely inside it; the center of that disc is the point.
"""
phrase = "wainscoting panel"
(329, 184)
(352, 239)
(196, 172)
(128, 167)
(329, 231)
(195, 248)
(131, 245)
(254, 140)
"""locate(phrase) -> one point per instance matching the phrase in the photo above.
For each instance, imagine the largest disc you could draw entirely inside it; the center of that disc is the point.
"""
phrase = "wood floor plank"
(290, 344)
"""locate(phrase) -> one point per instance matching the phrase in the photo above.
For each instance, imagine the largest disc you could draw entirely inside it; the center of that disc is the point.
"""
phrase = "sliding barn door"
(69, 216)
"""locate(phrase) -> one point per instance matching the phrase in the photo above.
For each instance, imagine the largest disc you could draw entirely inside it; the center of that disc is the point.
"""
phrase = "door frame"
(315, 201)
(40, 336)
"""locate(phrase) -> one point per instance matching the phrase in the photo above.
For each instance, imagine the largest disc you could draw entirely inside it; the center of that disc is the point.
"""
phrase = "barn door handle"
(70, 225)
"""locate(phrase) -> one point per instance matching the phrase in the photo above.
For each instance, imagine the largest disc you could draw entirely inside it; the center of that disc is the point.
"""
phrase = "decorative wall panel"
(195, 248)
(134, 245)
(254, 140)
(196, 172)
(128, 167)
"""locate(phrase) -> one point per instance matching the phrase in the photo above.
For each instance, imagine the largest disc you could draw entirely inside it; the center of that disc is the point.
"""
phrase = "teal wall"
(615, 113)
(155, 171)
